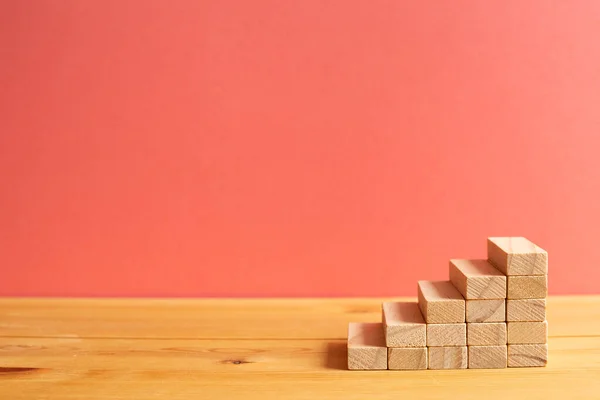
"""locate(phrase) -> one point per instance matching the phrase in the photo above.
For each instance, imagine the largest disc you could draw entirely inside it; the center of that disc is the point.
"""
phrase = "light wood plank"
(535, 383)
(221, 357)
(440, 302)
(254, 318)
(526, 310)
(403, 324)
(477, 279)
(527, 287)
(407, 358)
(527, 355)
(517, 256)
(485, 310)
(527, 332)
(128, 369)
(366, 346)
(442, 335)
(486, 334)
(487, 357)
(447, 357)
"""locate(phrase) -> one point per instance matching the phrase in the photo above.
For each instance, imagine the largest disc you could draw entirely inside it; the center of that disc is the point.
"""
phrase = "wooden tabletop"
(90, 349)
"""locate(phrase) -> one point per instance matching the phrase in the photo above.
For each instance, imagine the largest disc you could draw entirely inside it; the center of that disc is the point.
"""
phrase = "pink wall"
(293, 148)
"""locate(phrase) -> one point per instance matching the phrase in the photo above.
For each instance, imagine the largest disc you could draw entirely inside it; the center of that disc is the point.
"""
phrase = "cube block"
(477, 279)
(527, 332)
(486, 334)
(486, 310)
(404, 325)
(527, 355)
(366, 346)
(440, 302)
(447, 357)
(525, 310)
(488, 357)
(407, 358)
(527, 287)
(517, 256)
(442, 335)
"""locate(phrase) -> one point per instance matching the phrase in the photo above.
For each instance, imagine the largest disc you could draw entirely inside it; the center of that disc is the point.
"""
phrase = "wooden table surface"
(89, 349)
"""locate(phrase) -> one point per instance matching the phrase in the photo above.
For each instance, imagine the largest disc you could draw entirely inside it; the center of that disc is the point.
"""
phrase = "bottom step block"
(527, 355)
(407, 358)
(487, 357)
(447, 357)
(366, 346)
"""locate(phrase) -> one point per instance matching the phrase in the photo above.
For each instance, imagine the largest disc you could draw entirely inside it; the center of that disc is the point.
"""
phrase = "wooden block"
(517, 256)
(525, 310)
(486, 334)
(407, 358)
(527, 287)
(366, 346)
(527, 332)
(487, 357)
(404, 325)
(527, 355)
(485, 310)
(477, 279)
(443, 335)
(441, 303)
(447, 357)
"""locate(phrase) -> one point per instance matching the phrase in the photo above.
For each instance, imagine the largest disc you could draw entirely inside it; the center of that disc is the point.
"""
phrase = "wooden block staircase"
(489, 314)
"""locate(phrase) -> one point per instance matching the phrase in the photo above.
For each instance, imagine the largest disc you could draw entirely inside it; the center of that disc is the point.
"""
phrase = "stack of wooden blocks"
(490, 314)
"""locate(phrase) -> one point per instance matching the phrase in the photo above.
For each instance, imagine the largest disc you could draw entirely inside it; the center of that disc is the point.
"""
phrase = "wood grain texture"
(60, 349)
(485, 310)
(447, 357)
(440, 302)
(527, 287)
(486, 334)
(526, 310)
(477, 279)
(255, 318)
(487, 357)
(517, 256)
(366, 346)
(403, 324)
(441, 335)
(527, 355)
(407, 358)
(527, 332)
(222, 357)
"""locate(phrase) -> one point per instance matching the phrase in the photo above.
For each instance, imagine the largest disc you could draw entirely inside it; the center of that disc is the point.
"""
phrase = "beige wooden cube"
(486, 334)
(527, 332)
(443, 335)
(527, 287)
(447, 357)
(408, 358)
(486, 310)
(525, 310)
(366, 346)
(527, 355)
(440, 302)
(517, 256)
(404, 325)
(487, 357)
(477, 279)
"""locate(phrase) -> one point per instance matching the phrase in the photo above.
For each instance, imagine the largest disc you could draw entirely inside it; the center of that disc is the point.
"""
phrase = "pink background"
(293, 148)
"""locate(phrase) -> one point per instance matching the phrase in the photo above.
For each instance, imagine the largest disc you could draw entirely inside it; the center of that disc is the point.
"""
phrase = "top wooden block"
(404, 325)
(517, 256)
(441, 303)
(477, 279)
